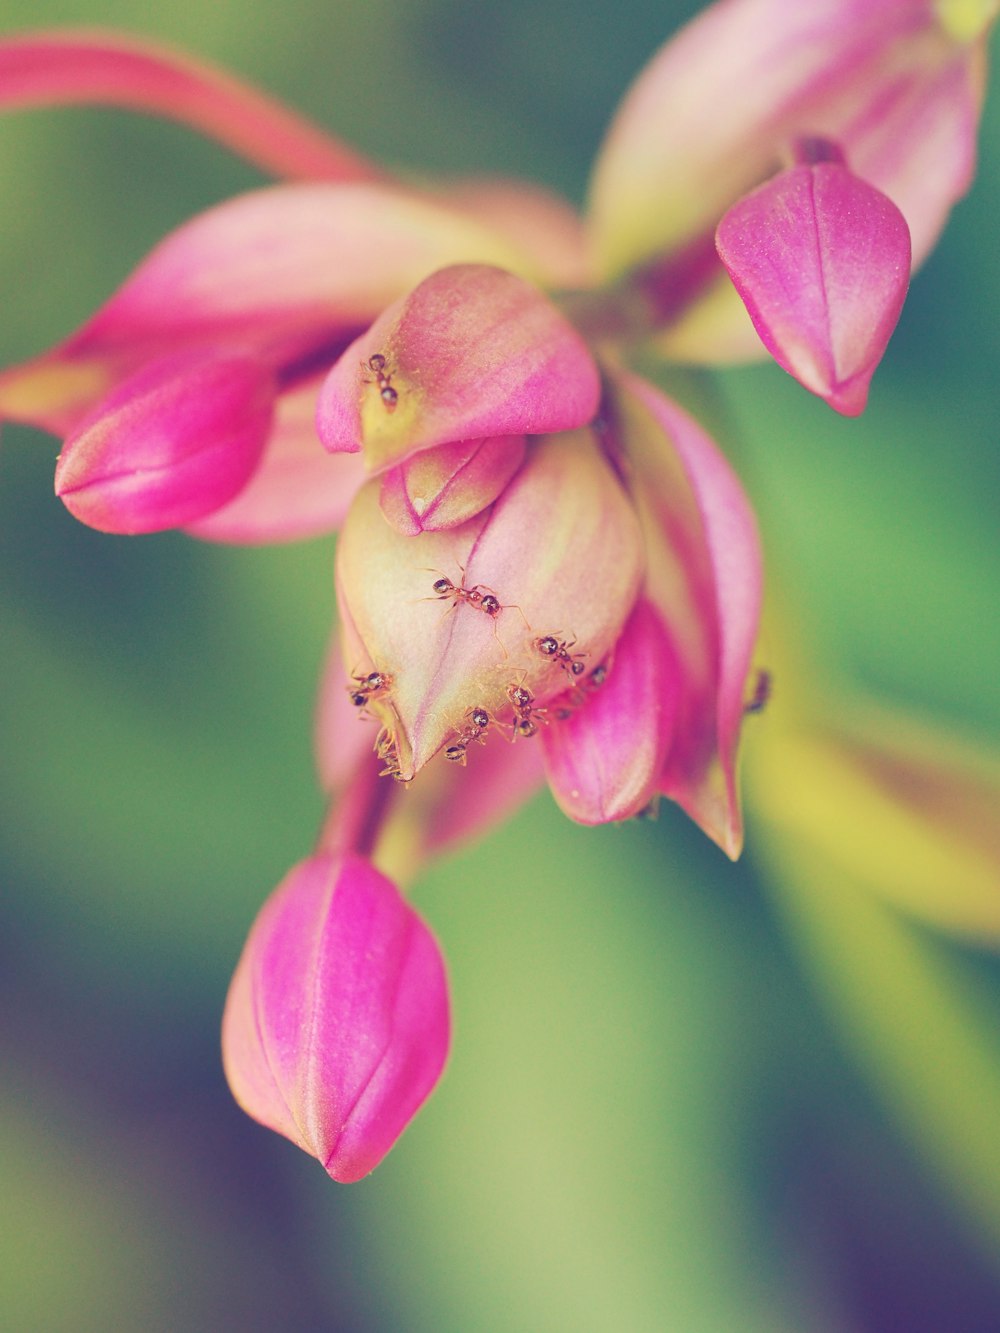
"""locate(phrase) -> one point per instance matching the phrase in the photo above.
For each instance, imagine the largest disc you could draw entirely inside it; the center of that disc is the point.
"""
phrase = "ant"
(371, 686)
(484, 600)
(761, 694)
(559, 651)
(478, 724)
(526, 715)
(376, 364)
(385, 749)
(479, 596)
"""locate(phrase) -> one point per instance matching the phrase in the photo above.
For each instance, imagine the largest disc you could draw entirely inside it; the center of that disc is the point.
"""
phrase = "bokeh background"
(668, 1107)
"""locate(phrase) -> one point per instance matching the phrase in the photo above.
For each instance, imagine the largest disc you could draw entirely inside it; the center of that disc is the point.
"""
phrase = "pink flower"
(545, 565)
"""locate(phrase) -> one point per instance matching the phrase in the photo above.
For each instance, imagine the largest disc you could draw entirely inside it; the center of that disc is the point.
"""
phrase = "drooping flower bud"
(530, 593)
(472, 352)
(171, 443)
(821, 260)
(336, 1024)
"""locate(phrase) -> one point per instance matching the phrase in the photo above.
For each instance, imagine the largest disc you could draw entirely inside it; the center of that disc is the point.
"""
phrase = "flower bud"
(173, 442)
(821, 260)
(472, 352)
(336, 1024)
(560, 555)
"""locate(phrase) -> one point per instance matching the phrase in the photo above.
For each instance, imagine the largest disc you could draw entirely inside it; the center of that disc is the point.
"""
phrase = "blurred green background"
(663, 1111)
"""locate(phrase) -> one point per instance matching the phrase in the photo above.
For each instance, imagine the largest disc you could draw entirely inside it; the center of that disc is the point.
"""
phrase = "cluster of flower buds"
(561, 494)
(780, 160)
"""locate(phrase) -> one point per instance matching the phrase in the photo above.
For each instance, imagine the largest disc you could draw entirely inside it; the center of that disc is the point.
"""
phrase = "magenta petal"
(604, 761)
(473, 351)
(822, 262)
(170, 444)
(336, 1026)
(443, 487)
(55, 68)
(298, 491)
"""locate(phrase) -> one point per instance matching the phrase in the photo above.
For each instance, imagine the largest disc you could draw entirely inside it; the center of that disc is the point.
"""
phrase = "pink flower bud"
(821, 260)
(559, 555)
(336, 1025)
(171, 443)
(472, 352)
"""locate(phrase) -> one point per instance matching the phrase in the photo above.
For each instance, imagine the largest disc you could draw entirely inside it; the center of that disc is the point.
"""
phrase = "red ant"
(385, 749)
(484, 600)
(526, 715)
(480, 597)
(761, 694)
(371, 686)
(478, 724)
(376, 364)
(558, 650)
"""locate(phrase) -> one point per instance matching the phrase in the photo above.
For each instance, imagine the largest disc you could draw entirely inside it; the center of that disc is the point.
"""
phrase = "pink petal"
(474, 351)
(288, 273)
(73, 66)
(298, 490)
(444, 487)
(560, 550)
(336, 1026)
(704, 578)
(715, 110)
(604, 762)
(822, 262)
(173, 442)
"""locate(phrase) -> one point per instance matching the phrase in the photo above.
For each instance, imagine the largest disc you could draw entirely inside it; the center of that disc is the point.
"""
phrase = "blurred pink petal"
(561, 552)
(605, 761)
(821, 260)
(173, 442)
(444, 487)
(473, 351)
(297, 491)
(90, 65)
(704, 579)
(289, 273)
(336, 1026)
